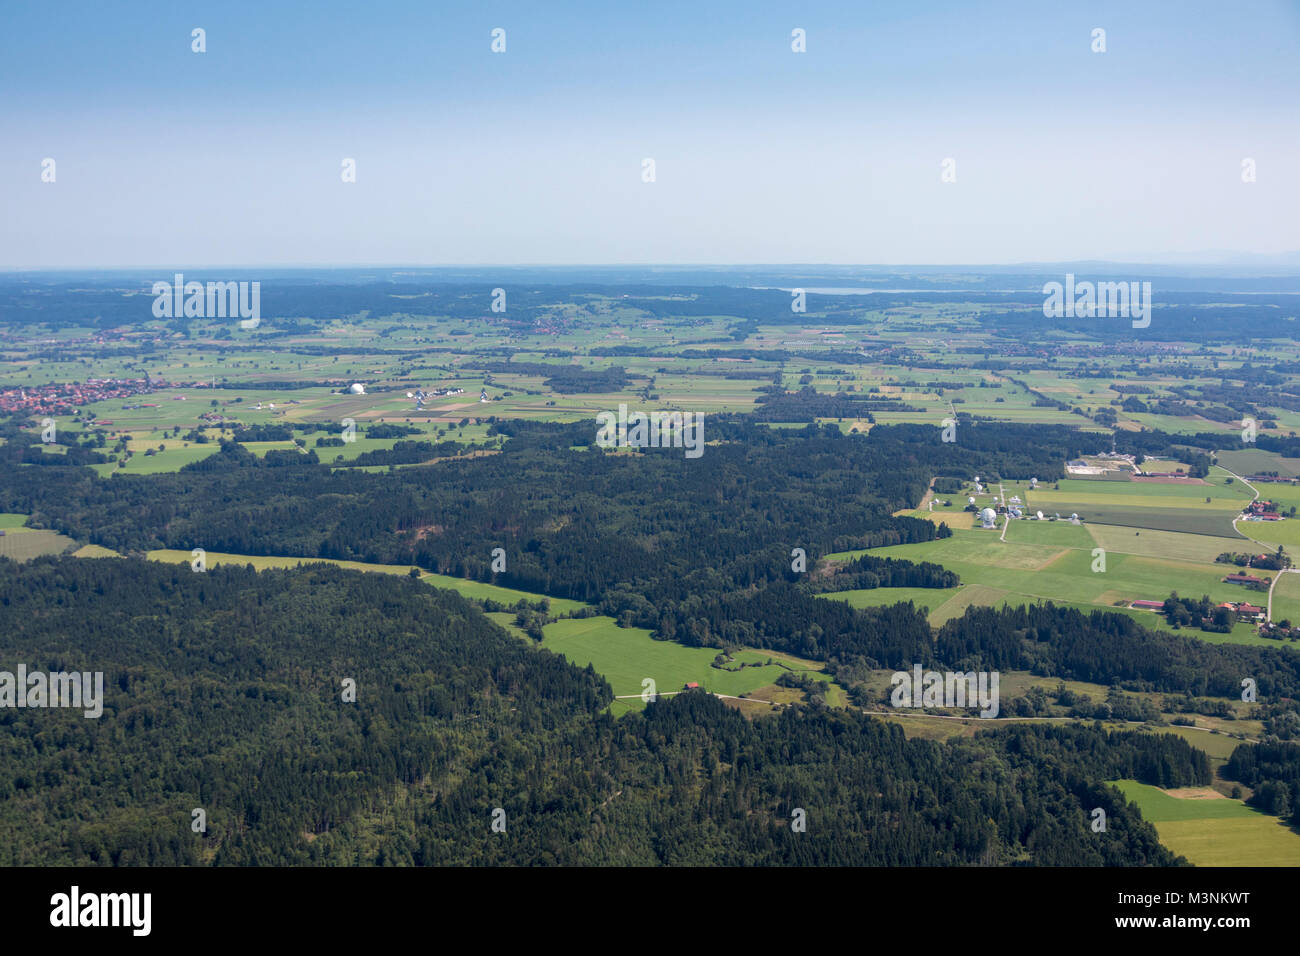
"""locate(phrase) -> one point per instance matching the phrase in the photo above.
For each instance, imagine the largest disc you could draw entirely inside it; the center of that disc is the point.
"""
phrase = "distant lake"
(835, 290)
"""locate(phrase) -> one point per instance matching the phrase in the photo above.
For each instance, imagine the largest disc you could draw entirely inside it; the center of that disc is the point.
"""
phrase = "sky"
(164, 157)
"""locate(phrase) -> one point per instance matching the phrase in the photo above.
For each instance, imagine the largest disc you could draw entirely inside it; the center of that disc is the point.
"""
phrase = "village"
(59, 398)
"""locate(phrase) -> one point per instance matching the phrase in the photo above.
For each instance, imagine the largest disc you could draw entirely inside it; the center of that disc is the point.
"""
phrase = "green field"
(24, 544)
(175, 457)
(626, 656)
(1286, 598)
(1256, 461)
(1215, 832)
(478, 591)
(95, 551)
(933, 598)
(1031, 570)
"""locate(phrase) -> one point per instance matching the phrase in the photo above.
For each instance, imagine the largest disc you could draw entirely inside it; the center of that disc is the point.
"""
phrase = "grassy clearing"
(1215, 832)
(995, 572)
(174, 458)
(933, 598)
(26, 543)
(94, 551)
(626, 656)
(478, 591)
(261, 561)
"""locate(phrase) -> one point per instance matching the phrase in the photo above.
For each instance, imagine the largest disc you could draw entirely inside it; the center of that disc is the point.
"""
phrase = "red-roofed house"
(1244, 579)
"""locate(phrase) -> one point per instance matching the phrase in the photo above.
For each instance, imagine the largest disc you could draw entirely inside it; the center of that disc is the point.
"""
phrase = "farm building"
(1148, 605)
(691, 685)
(1244, 579)
(1249, 612)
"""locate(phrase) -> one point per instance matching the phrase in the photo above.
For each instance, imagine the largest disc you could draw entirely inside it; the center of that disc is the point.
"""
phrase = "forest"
(224, 693)
(696, 551)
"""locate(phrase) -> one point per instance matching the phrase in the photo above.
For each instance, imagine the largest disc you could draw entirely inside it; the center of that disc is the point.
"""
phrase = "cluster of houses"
(1261, 511)
(1244, 610)
(421, 396)
(58, 398)
(1098, 465)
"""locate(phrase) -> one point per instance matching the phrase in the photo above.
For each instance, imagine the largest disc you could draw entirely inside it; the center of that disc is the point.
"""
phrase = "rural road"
(1268, 614)
(1256, 498)
(1002, 496)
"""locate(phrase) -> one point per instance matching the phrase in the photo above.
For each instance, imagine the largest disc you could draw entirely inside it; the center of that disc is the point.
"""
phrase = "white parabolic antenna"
(1040, 516)
(970, 501)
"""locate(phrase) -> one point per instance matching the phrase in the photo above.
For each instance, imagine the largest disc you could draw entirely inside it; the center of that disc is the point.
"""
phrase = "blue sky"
(166, 157)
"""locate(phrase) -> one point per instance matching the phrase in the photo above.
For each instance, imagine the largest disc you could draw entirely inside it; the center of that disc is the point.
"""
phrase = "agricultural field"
(1286, 598)
(1054, 561)
(23, 544)
(1256, 461)
(626, 656)
(1213, 830)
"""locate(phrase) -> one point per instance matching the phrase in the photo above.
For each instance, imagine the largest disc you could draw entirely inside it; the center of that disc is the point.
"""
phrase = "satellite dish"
(1040, 516)
(1074, 517)
(977, 479)
(970, 501)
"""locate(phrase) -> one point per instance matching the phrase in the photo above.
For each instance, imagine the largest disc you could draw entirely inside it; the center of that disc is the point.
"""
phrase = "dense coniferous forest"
(1272, 771)
(581, 524)
(223, 691)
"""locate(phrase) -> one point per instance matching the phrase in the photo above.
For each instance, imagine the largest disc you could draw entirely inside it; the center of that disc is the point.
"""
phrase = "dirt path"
(927, 500)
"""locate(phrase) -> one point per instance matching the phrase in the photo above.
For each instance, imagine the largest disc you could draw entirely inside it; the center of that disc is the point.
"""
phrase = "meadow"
(1054, 561)
(626, 656)
(1212, 830)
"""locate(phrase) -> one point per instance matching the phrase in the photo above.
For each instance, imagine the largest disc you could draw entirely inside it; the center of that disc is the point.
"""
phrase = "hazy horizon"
(233, 156)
